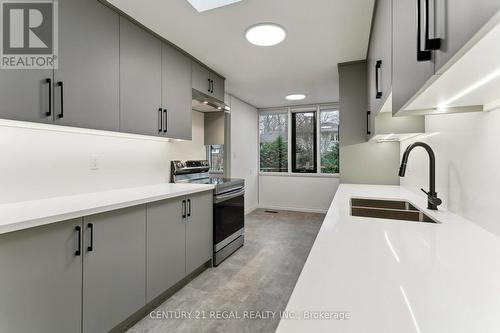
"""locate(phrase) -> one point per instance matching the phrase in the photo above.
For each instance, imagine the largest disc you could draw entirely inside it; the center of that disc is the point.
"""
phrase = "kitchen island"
(379, 276)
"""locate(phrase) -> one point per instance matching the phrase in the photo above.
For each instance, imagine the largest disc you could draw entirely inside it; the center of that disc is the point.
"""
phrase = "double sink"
(388, 209)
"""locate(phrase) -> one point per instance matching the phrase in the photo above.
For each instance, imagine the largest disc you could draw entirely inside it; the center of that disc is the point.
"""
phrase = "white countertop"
(397, 276)
(28, 214)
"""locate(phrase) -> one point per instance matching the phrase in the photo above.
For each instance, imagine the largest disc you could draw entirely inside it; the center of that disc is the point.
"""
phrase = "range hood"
(204, 103)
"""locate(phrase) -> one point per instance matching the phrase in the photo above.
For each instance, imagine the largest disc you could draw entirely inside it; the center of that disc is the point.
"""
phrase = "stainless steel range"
(229, 205)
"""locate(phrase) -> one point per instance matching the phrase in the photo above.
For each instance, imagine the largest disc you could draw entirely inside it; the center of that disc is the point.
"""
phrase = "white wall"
(467, 165)
(244, 148)
(41, 163)
(301, 193)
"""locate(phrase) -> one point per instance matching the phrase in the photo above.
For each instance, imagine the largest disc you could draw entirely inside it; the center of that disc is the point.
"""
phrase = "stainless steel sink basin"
(388, 209)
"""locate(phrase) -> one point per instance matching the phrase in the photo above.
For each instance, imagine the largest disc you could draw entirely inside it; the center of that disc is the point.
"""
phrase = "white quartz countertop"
(28, 214)
(397, 276)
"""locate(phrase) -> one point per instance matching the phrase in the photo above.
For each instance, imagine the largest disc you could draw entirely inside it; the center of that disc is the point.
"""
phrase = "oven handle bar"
(228, 196)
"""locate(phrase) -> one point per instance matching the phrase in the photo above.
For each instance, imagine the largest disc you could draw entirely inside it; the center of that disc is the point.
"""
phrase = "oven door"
(229, 217)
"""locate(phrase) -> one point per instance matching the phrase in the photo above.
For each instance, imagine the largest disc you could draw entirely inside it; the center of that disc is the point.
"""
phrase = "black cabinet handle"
(165, 129)
(212, 86)
(61, 114)
(378, 66)
(183, 209)
(90, 248)
(189, 207)
(209, 85)
(160, 120)
(422, 55)
(79, 233)
(49, 82)
(368, 132)
(430, 43)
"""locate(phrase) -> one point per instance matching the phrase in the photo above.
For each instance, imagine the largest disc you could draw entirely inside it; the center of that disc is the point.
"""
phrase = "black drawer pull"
(368, 132)
(49, 82)
(430, 43)
(183, 209)
(160, 120)
(79, 248)
(189, 207)
(165, 129)
(61, 114)
(90, 248)
(378, 66)
(422, 55)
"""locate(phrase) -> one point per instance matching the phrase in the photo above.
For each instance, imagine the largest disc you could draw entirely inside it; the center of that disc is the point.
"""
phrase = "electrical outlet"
(94, 162)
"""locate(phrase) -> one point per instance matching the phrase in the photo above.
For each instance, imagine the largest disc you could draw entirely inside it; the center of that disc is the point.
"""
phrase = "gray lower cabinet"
(457, 22)
(41, 280)
(408, 74)
(199, 230)
(176, 94)
(114, 268)
(140, 80)
(88, 66)
(166, 246)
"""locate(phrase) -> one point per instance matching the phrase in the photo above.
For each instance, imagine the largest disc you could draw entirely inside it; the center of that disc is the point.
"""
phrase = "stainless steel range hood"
(204, 103)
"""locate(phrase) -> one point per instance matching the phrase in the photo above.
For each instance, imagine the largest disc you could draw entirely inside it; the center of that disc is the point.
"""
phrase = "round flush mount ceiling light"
(295, 97)
(265, 34)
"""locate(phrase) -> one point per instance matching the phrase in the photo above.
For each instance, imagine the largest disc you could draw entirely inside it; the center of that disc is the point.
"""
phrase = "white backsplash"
(40, 163)
(467, 148)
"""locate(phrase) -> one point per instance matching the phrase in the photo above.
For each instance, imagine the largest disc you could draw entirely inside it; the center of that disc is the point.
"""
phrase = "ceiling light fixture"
(265, 34)
(295, 97)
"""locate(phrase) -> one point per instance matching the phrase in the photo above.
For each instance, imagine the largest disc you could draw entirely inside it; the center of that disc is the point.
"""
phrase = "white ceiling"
(321, 33)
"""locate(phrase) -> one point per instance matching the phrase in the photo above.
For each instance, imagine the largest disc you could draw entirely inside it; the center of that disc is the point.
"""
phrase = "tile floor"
(259, 277)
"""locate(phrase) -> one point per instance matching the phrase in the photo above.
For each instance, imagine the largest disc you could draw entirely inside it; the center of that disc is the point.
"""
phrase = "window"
(216, 158)
(304, 149)
(311, 139)
(329, 141)
(273, 131)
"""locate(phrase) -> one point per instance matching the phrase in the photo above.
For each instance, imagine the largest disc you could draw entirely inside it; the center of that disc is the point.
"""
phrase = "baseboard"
(251, 209)
(294, 209)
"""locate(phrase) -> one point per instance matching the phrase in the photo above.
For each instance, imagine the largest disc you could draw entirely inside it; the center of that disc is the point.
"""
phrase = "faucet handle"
(425, 192)
(432, 198)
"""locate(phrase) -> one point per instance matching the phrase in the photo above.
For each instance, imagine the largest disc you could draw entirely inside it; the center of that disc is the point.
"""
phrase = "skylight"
(204, 5)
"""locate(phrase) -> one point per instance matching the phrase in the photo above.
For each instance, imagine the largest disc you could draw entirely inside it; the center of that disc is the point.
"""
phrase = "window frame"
(293, 142)
(334, 106)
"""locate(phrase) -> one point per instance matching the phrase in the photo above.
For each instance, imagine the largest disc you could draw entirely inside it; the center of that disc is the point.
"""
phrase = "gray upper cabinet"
(199, 230)
(460, 21)
(166, 246)
(88, 66)
(114, 269)
(26, 94)
(218, 86)
(41, 280)
(201, 78)
(409, 73)
(176, 94)
(140, 80)
(207, 82)
(380, 56)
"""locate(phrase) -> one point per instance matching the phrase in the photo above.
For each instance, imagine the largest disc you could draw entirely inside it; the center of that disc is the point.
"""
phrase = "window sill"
(290, 174)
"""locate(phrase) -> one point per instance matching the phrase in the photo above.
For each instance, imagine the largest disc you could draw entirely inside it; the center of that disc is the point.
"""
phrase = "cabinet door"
(199, 230)
(88, 66)
(177, 94)
(166, 246)
(462, 19)
(201, 78)
(25, 95)
(408, 75)
(218, 86)
(114, 272)
(41, 280)
(140, 80)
